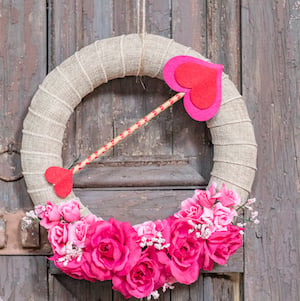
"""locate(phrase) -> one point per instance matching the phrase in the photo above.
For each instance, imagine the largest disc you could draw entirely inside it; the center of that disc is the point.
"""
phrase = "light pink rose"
(113, 247)
(208, 214)
(77, 233)
(228, 197)
(189, 209)
(78, 229)
(223, 216)
(219, 246)
(141, 280)
(147, 230)
(58, 237)
(188, 203)
(49, 214)
(184, 252)
(70, 211)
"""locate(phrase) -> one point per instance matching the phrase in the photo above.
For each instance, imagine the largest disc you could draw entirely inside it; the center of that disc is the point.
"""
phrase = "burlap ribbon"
(131, 55)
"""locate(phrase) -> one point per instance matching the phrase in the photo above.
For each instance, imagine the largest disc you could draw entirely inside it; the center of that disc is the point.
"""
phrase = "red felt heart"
(201, 80)
(61, 178)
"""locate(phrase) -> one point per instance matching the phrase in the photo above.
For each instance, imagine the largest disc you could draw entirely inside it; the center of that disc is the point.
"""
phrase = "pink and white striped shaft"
(126, 133)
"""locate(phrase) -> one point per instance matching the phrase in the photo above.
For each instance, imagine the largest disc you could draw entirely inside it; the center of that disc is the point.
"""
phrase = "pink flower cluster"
(141, 259)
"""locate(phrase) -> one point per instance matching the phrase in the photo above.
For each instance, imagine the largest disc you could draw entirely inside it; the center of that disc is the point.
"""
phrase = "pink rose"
(78, 230)
(164, 227)
(188, 203)
(72, 267)
(49, 214)
(77, 233)
(58, 237)
(75, 267)
(184, 252)
(147, 230)
(219, 246)
(70, 211)
(87, 267)
(204, 198)
(189, 209)
(113, 247)
(223, 216)
(141, 280)
(228, 197)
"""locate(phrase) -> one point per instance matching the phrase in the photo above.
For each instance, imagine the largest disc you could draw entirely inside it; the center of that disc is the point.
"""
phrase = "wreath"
(142, 258)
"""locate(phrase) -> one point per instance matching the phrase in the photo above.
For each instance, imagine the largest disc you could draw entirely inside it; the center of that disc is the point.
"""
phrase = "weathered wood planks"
(23, 278)
(22, 66)
(270, 64)
(258, 43)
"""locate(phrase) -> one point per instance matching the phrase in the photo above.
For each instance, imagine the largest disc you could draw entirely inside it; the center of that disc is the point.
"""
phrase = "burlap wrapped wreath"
(142, 258)
(131, 55)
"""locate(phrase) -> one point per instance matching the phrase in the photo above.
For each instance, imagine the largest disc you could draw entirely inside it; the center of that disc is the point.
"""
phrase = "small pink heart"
(61, 178)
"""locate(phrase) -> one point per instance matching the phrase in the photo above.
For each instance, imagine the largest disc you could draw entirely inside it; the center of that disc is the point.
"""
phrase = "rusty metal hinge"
(10, 150)
(20, 237)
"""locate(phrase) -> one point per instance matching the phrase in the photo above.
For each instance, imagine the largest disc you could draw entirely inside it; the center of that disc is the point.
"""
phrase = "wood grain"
(223, 36)
(64, 38)
(271, 84)
(152, 175)
(189, 27)
(258, 43)
(197, 290)
(23, 65)
(23, 278)
(63, 287)
(218, 288)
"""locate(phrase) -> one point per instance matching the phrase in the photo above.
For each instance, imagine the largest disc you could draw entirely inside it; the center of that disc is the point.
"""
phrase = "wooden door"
(146, 176)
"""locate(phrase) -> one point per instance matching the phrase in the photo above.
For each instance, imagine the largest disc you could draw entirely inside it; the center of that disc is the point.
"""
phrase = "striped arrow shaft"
(127, 132)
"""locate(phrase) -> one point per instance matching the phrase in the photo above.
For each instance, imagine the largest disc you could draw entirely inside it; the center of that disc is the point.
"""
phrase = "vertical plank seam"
(48, 28)
(171, 19)
(241, 49)
(206, 25)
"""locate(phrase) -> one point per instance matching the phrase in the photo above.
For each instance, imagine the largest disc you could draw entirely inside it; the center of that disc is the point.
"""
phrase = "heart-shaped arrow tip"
(61, 178)
(201, 82)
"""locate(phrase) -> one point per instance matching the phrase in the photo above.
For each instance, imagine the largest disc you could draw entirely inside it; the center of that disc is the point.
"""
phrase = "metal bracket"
(20, 237)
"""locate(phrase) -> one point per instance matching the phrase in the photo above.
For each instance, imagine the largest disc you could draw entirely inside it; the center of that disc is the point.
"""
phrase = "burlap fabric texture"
(62, 90)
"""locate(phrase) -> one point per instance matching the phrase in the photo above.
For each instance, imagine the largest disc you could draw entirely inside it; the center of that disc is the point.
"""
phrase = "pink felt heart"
(61, 178)
(201, 82)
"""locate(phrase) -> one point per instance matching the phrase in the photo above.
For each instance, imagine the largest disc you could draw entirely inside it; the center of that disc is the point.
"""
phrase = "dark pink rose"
(49, 214)
(204, 198)
(228, 197)
(70, 211)
(86, 267)
(71, 267)
(74, 266)
(141, 280)
(164, 228)
(113, 247)
(219, 246)
(184, 252)
(58, 237)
